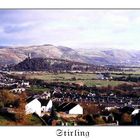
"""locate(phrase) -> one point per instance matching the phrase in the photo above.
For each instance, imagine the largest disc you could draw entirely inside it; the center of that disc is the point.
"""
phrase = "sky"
(72, 28)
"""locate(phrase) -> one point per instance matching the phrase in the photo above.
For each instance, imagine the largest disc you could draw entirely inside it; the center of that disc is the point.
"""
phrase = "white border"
(46, 133)
(69, 4)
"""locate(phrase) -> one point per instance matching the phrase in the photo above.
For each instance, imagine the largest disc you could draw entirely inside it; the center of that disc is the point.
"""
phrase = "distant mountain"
(111, 56)
(14, 55)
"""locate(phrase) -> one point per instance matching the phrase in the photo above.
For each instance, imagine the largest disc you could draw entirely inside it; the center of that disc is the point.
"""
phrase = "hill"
(51, 65)
(14, 55)
(111, 56)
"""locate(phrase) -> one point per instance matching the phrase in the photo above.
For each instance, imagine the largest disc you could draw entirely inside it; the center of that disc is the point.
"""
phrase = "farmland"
(88, 79)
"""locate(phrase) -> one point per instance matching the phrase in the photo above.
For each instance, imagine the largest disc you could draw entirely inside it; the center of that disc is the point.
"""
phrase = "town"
(31, 101)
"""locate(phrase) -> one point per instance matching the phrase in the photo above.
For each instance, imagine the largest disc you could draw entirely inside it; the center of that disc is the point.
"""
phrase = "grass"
(35, 89)
(137, 72)
(126, 75)
(61, 76)
(97, 82)
(88, 79)
(2, 118)
(4, 121)
(33, 120)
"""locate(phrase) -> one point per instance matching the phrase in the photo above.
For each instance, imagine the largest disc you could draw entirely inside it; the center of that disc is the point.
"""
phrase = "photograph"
(69, 67)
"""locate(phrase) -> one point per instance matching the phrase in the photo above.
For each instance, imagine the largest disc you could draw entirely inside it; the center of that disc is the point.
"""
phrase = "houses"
(110, 108)
(41, 106)
(38, 106)
(104, 76)
(15, 84)
(107, 116)
(46, 105)
(136, 111)
(46, 95)
(71, 108)
(25, 84)
(18, 90)
(77, 109)
(100, 76)
(33, 106)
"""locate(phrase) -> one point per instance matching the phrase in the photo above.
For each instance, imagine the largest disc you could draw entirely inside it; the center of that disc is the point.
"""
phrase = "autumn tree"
(20, 115)
(7, 97)
(99, 121)
(126, 119)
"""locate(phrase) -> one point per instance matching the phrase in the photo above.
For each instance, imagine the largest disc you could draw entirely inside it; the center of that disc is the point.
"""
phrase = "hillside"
(14, 55)
(51, 65)
(111, 56)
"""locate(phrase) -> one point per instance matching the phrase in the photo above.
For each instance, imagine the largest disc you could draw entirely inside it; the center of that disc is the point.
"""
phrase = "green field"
(62, 76)
(88, 79)
(97, 82)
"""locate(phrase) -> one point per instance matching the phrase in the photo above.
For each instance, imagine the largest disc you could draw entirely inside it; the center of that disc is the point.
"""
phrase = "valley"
(55, 85)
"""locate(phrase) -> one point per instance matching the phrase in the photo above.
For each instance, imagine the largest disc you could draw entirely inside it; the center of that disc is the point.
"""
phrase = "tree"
(89, 119)
(73, 78)
(1, 104)
(53, 114)
(126, 119)
(20, 115)
(7, 97)
(99, 120)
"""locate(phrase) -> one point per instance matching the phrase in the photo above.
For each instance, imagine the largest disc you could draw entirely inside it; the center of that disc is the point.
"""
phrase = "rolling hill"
(111, 56)
(51, 65)
(14, 55)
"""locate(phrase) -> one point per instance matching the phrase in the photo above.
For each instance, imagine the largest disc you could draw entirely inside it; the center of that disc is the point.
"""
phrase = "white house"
(26, 84)
(18, 90)
(76, 110)
(71, 108)
(136, 111)
(46, 95)
(100, 76)
(38, 106)
(33, 106)
(110, 108)
(104, 76)
(46, 105)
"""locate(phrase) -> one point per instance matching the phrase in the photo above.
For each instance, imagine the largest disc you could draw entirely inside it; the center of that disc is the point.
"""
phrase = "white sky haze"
(71, 28)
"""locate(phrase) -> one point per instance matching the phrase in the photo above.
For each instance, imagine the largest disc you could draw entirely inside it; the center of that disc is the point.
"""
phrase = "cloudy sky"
(71, 28)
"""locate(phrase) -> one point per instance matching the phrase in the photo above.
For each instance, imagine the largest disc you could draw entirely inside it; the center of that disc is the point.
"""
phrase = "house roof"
(136, 111)
(43, 102)
(67, 106)
(30, 99)
(105, 113)
(60, 107)
(127, 109)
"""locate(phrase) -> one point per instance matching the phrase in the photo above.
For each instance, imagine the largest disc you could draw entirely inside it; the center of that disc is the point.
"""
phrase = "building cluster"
(104, 76)
(68, 111)
(69, 102)
(108, 100)
(39, 105)
(6, 81)
(15, 85)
